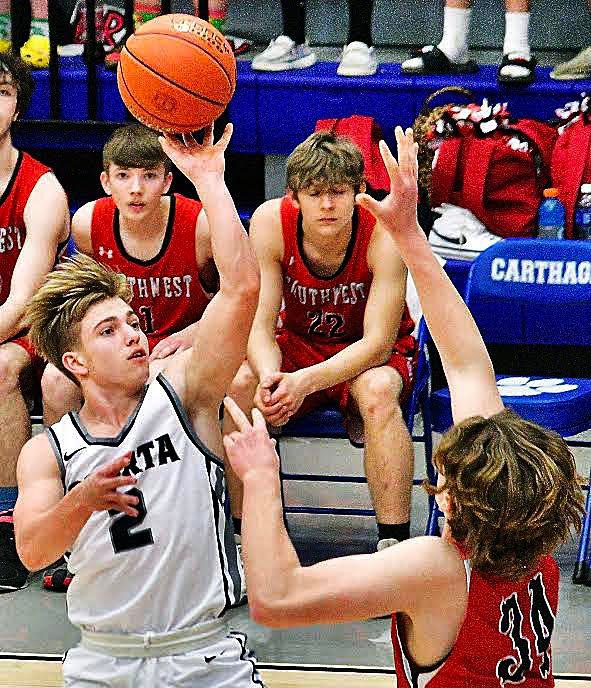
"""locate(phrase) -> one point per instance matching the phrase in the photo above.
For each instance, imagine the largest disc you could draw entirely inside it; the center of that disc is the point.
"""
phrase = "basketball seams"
(176, 85)
(221, 65)
(171, 127)
(167, 80)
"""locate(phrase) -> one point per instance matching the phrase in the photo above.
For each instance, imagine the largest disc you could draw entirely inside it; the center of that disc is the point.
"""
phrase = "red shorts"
(37, 363)
(300, 353)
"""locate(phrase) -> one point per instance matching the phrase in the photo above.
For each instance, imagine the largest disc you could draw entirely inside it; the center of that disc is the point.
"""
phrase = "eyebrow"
(113, 318)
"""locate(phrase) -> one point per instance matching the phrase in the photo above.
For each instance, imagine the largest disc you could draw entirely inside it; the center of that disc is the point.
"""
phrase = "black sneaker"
(13, 574)
(58, 579)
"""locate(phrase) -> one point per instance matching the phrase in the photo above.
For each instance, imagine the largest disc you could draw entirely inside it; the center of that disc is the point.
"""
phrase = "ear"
(105, 183)
(444, 502)
(293, 197)
(362, 187)
(75, 362)
(167, 183)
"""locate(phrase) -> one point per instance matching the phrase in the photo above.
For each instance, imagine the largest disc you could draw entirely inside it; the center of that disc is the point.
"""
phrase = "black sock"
(294, 19)
(360, 12)
(398, 531)
(237, 523)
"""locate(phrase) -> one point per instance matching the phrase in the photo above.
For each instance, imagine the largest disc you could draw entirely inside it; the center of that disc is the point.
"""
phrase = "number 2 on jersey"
(325, 324)
(121, 524)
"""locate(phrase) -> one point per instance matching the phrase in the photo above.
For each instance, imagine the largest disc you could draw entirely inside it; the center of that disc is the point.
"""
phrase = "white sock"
(456, 23)
(516, 34)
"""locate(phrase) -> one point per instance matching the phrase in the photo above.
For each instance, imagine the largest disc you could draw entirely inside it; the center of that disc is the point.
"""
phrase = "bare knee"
(244, 386)
(60, 394)
(13, 360)
(378, 392)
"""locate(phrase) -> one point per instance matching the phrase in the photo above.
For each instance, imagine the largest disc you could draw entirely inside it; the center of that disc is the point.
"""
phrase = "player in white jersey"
(137, 491)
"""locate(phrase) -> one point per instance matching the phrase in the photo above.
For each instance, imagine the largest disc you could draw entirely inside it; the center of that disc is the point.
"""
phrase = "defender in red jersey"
(345, 334)
(477, 607)
(160, 242)
(34, 229)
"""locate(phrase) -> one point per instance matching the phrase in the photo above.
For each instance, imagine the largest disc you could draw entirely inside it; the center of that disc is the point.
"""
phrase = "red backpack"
(498, 171)
(571, 161)
(366, 133)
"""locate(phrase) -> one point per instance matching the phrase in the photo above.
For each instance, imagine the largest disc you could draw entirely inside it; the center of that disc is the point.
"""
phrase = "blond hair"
(57, 309)
(327, 160)
(514, 491)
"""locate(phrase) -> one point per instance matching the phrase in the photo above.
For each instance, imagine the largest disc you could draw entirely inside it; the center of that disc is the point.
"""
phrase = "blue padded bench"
(273, 112)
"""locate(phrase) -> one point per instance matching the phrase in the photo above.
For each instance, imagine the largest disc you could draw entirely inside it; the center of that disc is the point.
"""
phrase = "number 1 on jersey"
(146, 313)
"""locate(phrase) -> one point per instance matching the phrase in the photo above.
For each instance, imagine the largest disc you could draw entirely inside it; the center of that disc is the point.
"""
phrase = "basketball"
(177, 73)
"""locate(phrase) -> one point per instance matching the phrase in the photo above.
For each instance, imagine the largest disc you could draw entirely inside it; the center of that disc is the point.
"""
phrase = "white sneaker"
(457, 234)
(385, 543)
(283, 53)
(357, 59)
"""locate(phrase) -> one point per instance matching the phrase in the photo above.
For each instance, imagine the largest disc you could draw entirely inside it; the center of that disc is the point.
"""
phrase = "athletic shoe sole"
(302, 63)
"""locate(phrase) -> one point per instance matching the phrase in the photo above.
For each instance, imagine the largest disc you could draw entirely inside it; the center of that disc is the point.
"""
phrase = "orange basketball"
(177, 73)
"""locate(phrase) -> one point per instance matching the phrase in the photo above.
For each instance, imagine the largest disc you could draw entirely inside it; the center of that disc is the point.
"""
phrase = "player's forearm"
(346, 364)
(43, 538)
(451, 325)
(264, 355)
(11, 319)
(270, 558)
(232, 251)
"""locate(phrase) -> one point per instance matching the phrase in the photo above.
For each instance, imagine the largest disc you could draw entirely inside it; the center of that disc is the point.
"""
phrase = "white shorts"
(227, 663)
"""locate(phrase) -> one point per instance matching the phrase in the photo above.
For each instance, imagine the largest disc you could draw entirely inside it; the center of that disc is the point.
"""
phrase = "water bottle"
(551, 216)
(583, 213)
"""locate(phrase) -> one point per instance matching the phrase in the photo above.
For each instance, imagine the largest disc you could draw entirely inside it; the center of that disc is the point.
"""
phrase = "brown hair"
(513, 488)
(57, 309)
(13, 70)
(135, 146)
(327, 160)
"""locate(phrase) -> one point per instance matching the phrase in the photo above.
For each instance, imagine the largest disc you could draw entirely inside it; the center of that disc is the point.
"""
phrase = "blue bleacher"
(273, 112)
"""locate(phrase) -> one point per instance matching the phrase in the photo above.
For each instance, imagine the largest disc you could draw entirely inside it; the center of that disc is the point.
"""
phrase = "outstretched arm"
(465, 360)
(203, 374)
(283, 593)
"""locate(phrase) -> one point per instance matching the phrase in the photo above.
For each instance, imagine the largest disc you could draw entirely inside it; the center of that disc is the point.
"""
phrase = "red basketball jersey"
(330, 310)
(26, 174)
(167, 292)
(504, 640)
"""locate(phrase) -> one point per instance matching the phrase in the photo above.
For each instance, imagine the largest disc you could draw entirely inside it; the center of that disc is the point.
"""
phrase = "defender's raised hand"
(398, 211)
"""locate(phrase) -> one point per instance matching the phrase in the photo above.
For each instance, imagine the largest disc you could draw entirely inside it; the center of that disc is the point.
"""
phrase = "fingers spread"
(226, 136)
(114, 467)
(388, 158)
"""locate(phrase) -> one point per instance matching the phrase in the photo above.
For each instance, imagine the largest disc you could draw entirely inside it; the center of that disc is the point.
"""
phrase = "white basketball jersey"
(175, 564)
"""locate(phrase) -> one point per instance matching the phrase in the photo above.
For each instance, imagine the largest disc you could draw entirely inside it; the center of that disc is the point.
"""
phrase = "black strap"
(466, 92)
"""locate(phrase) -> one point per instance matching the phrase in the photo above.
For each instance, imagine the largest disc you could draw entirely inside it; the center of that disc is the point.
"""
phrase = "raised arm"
(47, 220)
(465, 360)
(283, 593)
(219, 347)
(46, 521)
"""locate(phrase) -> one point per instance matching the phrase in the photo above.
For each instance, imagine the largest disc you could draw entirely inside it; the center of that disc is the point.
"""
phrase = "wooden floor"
(48, 674)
